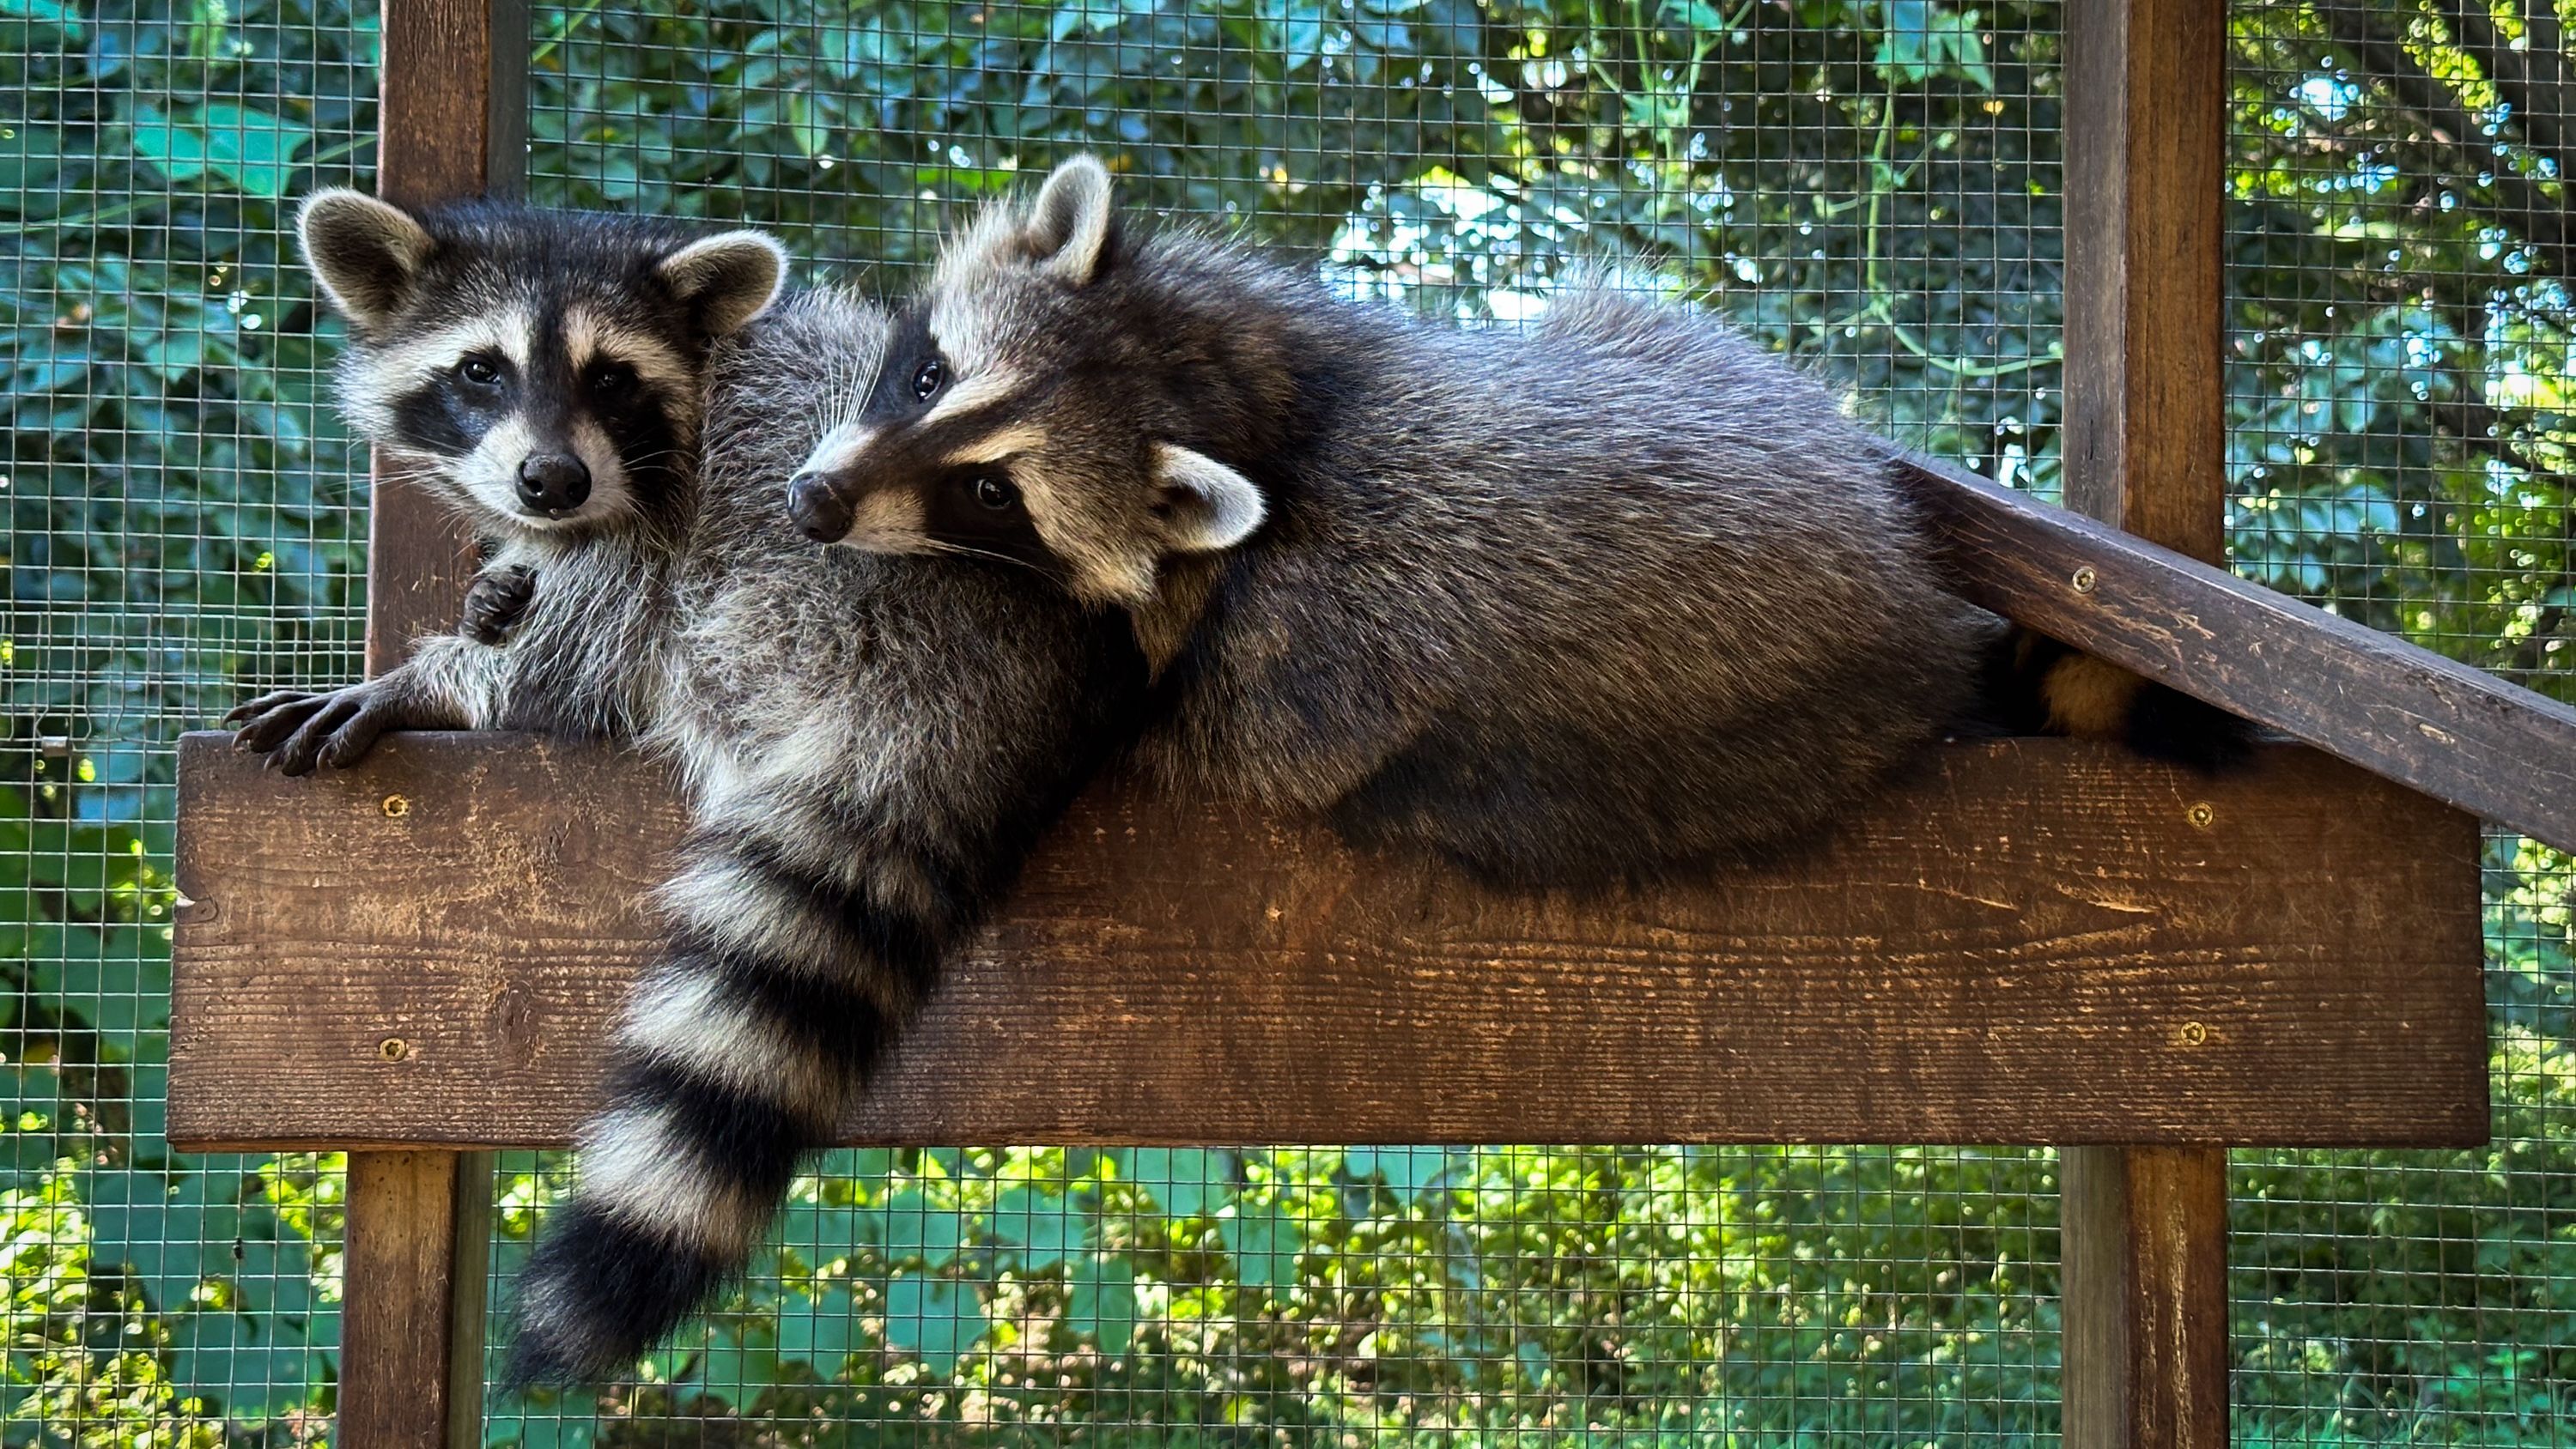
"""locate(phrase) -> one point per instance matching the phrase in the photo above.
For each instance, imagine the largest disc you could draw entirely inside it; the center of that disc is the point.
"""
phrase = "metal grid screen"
(1871, 184)
(185, 523)
(2402, 255)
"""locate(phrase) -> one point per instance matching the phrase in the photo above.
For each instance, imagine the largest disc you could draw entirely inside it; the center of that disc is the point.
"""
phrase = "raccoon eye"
(612, 379)
(479, 370)
(994, 493)
(927, 378)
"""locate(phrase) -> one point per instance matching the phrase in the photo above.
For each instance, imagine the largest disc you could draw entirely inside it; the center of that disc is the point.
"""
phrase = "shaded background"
(1872, 185)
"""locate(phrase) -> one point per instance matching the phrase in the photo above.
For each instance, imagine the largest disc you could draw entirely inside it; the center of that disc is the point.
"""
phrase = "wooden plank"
(452, 122)
(406, 1290)
(2033, 941)
(2145, 436)
(2451, 731)
(2144, 1271)
(2145, 1229)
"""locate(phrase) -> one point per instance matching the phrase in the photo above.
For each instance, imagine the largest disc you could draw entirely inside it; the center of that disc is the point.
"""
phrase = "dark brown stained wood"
(2036, 941)
(2145, 1228)
(2451, 731)
(2144, 442)
(452, 123)
(409, 1292)
(2145, 1307)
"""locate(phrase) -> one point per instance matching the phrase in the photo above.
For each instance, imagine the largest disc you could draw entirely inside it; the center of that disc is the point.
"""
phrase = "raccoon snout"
(553, 484)
(818, 509)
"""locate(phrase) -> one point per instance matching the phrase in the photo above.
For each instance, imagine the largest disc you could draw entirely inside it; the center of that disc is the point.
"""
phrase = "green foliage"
(1870, 184)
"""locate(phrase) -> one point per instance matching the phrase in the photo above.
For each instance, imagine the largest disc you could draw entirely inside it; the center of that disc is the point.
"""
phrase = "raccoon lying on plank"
(542, 373)
(1615, 594)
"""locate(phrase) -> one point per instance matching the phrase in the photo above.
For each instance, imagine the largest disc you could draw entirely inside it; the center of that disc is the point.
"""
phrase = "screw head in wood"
(393, 1049)
(396, 806)
(2202, 815)
(2084, 579)
(2191, 1034)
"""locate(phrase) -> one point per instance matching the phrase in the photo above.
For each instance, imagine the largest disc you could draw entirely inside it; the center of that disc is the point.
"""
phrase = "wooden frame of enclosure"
(2035, 942)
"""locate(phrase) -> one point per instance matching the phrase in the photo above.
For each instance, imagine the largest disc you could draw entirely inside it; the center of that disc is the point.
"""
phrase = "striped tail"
(786, 980)
(2036, 685)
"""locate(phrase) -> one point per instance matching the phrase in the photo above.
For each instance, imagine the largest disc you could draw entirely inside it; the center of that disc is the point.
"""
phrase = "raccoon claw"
(298, 731)
(495, 602)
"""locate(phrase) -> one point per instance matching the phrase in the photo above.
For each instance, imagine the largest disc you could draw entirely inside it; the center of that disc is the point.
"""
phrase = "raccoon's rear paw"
(495, 602)
(298, 730)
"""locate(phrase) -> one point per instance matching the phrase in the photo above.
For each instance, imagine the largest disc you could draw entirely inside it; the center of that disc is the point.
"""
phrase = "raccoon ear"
(731, 276)
(1068, 226)
(1206, 506)
(366, 253)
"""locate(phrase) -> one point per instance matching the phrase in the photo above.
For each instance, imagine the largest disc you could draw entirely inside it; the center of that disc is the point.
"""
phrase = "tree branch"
(2533, 80)
(2363, 34)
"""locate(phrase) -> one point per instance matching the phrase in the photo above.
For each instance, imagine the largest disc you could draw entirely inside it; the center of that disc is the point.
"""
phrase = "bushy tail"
(791, 971)
(2036, 685)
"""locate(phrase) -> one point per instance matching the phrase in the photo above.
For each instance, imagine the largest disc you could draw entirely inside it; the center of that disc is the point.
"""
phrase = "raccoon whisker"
(936, 545)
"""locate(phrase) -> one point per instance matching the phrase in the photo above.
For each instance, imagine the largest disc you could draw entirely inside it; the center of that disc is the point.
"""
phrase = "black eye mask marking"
(980, 509)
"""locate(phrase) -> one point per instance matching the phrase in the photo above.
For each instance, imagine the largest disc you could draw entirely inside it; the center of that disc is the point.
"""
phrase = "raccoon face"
(1016, 416)
(541, 370)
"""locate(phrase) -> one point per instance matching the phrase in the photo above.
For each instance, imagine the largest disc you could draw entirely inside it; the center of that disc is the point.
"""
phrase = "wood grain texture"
(2144, 1255)
(2032, 942)
(2453, 732)
(2145, 441)
(407, 1294)
(2145, 1288)
(452, 123)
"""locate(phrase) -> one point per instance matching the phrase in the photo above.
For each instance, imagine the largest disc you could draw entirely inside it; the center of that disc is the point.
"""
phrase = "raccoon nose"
(553, 483)
(817, 508)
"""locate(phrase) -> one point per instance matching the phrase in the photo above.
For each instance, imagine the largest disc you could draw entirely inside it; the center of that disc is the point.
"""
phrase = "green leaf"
(1043, 1228)
(1183, 1180)
(1103, 1303)
(932, 1319)
(252, 149)
(1265, 1244)
(255, 1368)
(1407, 1171)
(820, 1331)
(914, 1227)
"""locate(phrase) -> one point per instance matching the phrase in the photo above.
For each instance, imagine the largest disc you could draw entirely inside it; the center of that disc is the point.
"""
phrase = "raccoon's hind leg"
(496, 600)
(2035, 684)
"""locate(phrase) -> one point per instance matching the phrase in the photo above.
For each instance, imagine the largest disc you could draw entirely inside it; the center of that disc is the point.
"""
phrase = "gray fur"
(561, 299)
(1612, 595)
(872, 744)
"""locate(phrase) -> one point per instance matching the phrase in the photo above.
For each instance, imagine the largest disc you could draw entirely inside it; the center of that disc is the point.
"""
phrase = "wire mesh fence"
(1873, 187)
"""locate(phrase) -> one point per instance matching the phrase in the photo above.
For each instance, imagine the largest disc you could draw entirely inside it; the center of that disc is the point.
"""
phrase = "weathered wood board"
(2401, 711)
(2034, 941)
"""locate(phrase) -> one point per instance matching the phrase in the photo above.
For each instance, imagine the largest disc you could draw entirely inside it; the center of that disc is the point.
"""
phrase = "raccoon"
(871, 743)
(1587, 603)
(542, 373)
(1620, 594)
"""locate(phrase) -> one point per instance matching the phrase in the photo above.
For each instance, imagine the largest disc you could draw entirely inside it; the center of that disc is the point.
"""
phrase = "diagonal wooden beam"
(2452, 731)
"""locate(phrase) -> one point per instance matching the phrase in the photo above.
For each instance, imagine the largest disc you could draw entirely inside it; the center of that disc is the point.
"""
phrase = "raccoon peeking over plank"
(542, 373)
(1614, 594)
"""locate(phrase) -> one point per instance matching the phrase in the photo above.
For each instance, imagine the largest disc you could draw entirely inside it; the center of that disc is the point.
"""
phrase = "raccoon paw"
(495, 602)
(298, 731)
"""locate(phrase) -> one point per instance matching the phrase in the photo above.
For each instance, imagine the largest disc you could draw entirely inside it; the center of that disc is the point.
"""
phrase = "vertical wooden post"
(451, 122)
(2145, 1229)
